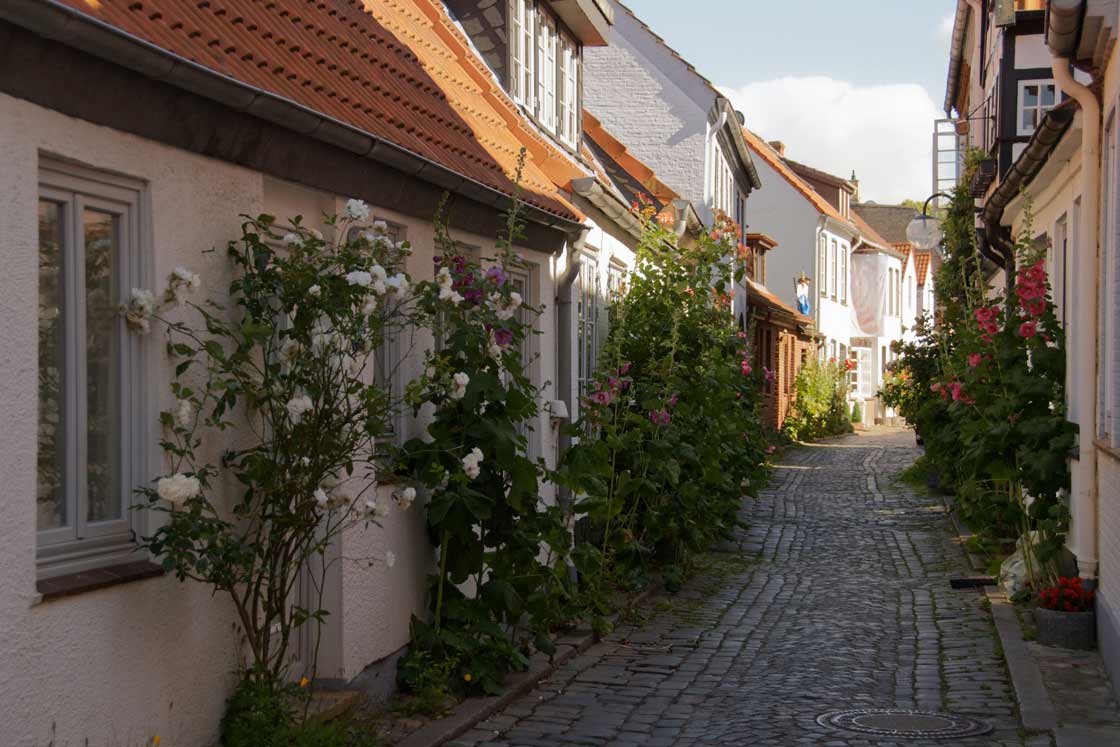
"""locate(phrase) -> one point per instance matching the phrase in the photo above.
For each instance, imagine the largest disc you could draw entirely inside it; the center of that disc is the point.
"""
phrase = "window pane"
(51, 501)
(1030, 95)
(102, 239)
(1030, 118)
(1048, 95)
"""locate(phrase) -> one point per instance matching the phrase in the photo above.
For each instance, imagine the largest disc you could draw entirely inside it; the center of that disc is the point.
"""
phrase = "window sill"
(72, 584)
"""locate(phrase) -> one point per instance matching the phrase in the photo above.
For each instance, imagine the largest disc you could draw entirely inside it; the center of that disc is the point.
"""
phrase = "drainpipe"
(1083, 502)
(565, 344)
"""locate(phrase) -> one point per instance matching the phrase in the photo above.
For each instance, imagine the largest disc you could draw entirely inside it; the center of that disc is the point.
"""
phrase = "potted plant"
(1065, 615)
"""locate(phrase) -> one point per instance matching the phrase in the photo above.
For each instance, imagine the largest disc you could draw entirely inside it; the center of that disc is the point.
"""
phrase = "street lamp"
(924, 231)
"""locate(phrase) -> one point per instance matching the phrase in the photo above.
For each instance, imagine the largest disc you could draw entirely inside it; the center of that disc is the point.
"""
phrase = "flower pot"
(1076, 630)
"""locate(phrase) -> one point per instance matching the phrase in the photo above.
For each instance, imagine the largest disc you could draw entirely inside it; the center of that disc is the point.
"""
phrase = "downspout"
(1083, 502)
(565, 345)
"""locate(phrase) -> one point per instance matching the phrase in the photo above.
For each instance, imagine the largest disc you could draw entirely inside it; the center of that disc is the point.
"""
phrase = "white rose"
(405, 498)
(380, 226)
(459, 385)
(184, 415)
(314, 291)
(321, 497)
(189, 279)
(472, 462)
(446, 294)
(359, 277)
(356, 210)
(297, 406)
(289, 350)
(443, 278)
(178, 488)
(143, 302)
(293, 239)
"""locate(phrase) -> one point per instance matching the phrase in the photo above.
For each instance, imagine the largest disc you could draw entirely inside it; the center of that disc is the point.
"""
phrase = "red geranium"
(1067, 596)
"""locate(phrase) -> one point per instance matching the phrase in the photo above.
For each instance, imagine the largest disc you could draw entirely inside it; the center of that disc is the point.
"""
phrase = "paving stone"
(834, 596)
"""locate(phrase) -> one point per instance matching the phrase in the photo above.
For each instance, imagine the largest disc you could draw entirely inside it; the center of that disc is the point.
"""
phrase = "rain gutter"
(956, 54)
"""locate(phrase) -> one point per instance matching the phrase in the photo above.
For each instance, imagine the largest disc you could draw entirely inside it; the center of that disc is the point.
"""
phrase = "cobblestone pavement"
(837, 596)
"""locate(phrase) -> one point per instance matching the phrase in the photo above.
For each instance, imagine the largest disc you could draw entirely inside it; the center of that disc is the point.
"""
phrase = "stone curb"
(1036, 711)
(474, 710)
(964, 533)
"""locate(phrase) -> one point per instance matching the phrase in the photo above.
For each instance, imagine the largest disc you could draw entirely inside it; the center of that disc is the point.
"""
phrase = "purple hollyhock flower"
(496, 276)
(503, 336)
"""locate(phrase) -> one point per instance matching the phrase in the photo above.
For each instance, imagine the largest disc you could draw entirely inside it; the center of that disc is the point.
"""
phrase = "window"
(822, 266)
(866, 383)
(91, 424)
(587, 322)
(521, 51)
(723, 191)
(387, 353)
(833, 269)
(843, 274)
(569, 91)
(1036, 97)
(547, 72)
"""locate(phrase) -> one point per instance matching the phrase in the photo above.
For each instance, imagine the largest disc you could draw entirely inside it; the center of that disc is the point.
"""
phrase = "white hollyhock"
(293, 239)
(443, 278)
(356, 210)
(178, 488)
(459, 385)
(184, 414)
(314, 291)
(189, 280)
(297, 406)
(472, 463)
(141, 305)
(321, 497)
(405, 498)
(322, 334)
(359, 277)
(380, 226)
(289, 350)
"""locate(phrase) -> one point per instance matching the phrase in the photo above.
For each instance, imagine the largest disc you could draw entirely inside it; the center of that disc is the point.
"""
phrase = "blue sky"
(846, 85)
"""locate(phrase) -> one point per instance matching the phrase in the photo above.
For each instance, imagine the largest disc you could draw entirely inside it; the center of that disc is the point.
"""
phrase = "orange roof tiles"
(921, 265)
(614, 148)
(398, 70)
(774, 161)
(906, 249)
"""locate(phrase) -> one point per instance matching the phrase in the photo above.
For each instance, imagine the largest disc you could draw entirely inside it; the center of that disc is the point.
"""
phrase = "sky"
(847, 86)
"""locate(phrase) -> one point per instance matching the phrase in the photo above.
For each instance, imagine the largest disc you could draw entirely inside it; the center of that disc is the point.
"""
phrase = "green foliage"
(286, 368)
(857, 413)
(984, 387)
(497, 595)
(669, 435)
(261, 713)
(427, 679)
(820, 405)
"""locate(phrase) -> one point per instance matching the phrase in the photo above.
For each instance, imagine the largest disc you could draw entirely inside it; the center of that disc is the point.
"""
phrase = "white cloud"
(945, 27)
(883, 133)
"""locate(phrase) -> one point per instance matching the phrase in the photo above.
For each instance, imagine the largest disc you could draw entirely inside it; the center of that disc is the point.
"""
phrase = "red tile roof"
(906, 249)
(921, 265)
(775, 161)
(398, 70)
(614, 148)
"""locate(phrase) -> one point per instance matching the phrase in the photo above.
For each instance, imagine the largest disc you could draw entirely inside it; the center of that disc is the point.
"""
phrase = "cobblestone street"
(836, 597)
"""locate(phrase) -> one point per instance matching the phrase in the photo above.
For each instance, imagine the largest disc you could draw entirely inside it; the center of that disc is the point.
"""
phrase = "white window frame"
(84, 545)
(522, 55)
(1039, 109)
(822, 264)
(587, 322)
(547, 71)
(843, 273)
(569, 109)
(833, 267)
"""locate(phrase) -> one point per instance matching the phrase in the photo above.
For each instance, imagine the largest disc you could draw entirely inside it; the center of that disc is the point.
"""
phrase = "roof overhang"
(734, 127)
(840, 227)
(589, 20)
(65, 25)
(956, 54)
(609, 203)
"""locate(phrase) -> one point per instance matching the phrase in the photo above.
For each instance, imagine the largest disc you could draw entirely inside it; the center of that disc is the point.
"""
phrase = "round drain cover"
(898, 722)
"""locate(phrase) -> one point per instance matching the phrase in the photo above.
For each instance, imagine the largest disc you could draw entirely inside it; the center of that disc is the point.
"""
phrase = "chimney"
(855, 181)
(779, 146)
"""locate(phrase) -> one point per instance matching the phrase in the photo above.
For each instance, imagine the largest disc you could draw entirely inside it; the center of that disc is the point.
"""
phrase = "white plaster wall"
(1031, 51)
(834, 318)
(119, 665)
(780, 211)
(651, 102)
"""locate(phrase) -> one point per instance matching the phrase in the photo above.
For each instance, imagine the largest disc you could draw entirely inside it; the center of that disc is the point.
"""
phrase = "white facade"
(156, 656)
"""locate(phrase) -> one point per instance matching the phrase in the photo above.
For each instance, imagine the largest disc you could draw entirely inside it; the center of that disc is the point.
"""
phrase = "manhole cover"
(897, 722)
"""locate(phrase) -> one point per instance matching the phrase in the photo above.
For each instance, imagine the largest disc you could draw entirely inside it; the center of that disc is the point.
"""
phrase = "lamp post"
(924, 231)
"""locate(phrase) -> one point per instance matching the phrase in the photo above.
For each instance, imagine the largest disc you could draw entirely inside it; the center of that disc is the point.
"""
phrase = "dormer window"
(544, 70)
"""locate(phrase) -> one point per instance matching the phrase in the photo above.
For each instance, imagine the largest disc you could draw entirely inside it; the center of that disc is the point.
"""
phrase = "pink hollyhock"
(601, 398)
(625, 369)
(973, 360)
(1028, 329)
(771, 449)
(746, 368)
(955, 390)
(660, 417)
(674, 400)
(769, 374)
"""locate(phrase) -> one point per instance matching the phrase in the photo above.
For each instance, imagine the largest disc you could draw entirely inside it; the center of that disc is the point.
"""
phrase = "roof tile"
(398, 70)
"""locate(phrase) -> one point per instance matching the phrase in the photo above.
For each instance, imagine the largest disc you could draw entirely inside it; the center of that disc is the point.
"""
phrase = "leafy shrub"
(669, 435)
(263, 714)
(820, 405)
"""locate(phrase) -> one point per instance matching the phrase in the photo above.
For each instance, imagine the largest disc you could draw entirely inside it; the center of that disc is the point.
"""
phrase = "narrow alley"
(837, 597)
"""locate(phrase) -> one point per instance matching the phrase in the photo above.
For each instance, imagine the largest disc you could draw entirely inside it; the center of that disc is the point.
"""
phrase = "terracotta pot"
(1077, 630)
